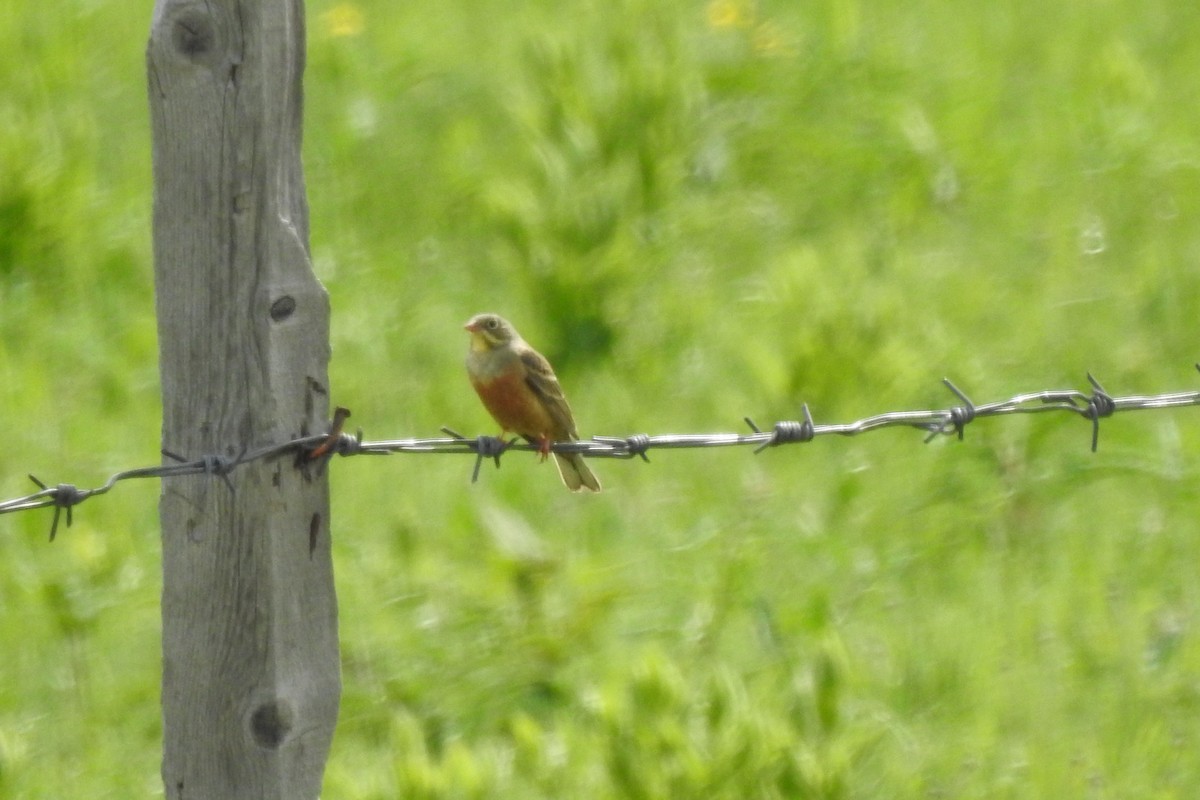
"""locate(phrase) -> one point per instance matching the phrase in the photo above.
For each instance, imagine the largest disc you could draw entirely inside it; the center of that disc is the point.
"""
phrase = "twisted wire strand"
(318, 449)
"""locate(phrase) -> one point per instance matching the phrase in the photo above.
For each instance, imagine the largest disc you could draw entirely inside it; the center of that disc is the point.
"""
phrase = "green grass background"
(698, 211)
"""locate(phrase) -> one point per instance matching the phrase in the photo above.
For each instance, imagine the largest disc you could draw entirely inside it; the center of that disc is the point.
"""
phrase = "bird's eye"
(492, 324)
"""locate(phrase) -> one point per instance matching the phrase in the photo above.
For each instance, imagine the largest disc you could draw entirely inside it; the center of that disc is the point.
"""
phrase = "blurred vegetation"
(699, 211)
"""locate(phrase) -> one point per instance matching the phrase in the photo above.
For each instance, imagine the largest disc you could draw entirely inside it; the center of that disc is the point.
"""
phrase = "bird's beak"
(472, 327)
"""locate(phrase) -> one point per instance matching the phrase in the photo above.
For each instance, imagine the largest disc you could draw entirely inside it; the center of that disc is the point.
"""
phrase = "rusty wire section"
(315, 451)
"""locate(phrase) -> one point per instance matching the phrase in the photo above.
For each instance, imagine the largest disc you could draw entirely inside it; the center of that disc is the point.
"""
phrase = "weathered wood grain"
(250, 661)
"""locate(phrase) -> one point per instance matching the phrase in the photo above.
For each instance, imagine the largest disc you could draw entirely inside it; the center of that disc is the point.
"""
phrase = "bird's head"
(489, 331)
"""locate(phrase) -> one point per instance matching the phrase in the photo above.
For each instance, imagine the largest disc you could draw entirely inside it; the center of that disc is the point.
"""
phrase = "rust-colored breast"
(514, 406)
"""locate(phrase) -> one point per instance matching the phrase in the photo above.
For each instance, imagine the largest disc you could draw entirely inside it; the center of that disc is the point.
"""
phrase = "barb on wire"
(482, 446)
(320, 448)
(787, 431)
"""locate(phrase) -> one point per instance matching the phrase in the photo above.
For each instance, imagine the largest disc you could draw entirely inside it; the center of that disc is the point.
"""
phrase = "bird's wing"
(541, 379)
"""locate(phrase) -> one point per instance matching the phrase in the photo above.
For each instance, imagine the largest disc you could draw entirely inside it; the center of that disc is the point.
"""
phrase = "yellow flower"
(729, 14)
(344, 19)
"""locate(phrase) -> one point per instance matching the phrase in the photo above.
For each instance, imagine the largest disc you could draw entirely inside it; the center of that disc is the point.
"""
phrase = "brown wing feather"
(541, 379)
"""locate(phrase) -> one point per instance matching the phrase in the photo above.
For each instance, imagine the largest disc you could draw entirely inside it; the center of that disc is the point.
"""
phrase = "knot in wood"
(270, 724)
(197, 32)
(282, 308)
(193, 33)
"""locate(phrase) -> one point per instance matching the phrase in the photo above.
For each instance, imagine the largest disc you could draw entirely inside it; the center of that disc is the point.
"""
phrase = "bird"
(519, 389)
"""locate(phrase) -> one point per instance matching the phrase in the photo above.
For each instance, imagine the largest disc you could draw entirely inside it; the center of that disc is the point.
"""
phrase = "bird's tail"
(575, 472)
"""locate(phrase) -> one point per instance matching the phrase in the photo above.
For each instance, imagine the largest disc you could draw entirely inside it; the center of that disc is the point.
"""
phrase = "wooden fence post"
(250, 660)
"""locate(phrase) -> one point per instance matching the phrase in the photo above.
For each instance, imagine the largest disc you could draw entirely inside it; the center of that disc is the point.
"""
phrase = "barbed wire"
(316, 450)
